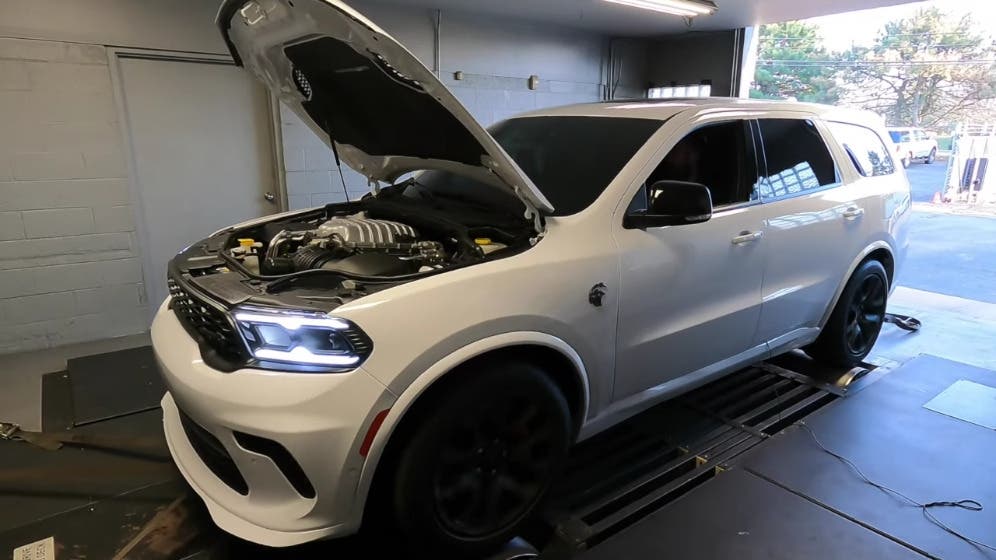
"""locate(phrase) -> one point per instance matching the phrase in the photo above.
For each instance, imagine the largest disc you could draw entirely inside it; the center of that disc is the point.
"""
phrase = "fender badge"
(597, 294)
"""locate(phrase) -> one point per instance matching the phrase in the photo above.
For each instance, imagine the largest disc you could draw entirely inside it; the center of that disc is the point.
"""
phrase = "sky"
(860, 28)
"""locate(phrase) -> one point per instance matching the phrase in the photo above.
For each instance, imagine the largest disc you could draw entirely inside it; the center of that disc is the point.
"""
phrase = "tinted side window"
(797, 159)
(716, 157)
(867, 151)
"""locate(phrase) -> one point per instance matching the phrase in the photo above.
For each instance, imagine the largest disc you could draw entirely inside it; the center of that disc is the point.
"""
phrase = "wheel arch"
(556, 357)
(879, 250)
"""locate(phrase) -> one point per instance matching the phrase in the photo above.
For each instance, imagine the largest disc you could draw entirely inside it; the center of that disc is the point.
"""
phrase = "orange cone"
(937, 198)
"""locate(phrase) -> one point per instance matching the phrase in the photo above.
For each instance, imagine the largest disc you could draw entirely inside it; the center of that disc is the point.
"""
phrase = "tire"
(480, 459)
(932, 157)
(856, 320)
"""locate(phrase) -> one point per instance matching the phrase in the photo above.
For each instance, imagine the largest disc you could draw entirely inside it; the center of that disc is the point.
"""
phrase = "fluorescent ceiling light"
(687, 8)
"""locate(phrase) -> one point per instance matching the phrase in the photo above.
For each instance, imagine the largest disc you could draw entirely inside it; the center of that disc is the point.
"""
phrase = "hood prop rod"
(338, 162)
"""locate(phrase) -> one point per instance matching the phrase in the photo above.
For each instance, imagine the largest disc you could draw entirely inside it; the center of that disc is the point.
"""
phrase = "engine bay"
(330, 255)
(352, 244)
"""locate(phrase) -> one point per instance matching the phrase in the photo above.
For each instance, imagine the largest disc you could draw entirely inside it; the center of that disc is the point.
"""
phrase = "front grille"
(205, 322)
(213, 454)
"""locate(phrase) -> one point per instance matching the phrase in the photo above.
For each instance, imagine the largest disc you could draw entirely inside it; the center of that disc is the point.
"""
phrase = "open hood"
(380, 109)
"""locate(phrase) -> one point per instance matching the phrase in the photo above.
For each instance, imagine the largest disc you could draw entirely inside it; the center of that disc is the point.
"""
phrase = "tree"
(793, 63)
(927, 70)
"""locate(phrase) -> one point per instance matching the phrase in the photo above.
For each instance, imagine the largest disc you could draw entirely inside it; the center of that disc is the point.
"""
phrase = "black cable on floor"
(971, 505)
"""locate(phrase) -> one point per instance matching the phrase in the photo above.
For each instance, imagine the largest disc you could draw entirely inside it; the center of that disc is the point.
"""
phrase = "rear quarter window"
(868, 153)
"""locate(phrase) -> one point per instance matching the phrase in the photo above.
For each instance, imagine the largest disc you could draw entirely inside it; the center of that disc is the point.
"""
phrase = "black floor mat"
(738, 515)
(114, 384)
(889, 434)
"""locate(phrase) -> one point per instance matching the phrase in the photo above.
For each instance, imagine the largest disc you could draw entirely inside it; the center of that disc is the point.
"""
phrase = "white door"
(691, 295)
(202, 148)
(815, 225)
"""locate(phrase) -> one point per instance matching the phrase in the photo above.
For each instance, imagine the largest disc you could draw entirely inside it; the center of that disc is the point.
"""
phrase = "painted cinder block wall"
(70, 267)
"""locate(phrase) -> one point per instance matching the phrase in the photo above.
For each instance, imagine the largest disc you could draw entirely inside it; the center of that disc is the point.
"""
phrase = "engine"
(352, 244)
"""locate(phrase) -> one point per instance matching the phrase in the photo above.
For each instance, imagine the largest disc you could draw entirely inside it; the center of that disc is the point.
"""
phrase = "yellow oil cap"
(482, 240)
(246, 242)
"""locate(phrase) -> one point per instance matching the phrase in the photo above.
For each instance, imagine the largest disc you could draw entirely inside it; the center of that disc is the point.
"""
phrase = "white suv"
(427, 355)
(912, 144)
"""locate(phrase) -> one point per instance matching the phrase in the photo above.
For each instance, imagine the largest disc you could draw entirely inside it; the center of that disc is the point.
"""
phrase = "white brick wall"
(69, 266)
(312, 176)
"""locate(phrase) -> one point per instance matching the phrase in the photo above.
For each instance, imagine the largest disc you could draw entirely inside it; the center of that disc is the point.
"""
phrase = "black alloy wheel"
(856, 320)
(493, 466)
(865, 315)
(479, 456)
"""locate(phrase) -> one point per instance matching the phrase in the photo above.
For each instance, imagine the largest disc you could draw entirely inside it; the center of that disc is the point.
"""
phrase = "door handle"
(746, 237)
(853, 212)
(270, 197)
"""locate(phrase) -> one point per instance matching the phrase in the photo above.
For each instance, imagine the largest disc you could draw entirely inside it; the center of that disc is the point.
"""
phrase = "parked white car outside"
(913, 144)
(428, 354)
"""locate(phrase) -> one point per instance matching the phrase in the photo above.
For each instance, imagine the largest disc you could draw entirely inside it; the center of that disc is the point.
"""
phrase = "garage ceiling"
(615, 19)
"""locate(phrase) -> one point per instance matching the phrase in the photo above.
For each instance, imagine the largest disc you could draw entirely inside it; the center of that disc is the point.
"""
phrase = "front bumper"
(319, 420)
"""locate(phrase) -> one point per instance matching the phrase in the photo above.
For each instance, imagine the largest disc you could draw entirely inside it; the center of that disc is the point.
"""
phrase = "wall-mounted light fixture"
(533, 81)
(686, 8)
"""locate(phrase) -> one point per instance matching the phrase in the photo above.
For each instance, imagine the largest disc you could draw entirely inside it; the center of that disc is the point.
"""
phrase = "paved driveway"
(949, 254)
(927, 179)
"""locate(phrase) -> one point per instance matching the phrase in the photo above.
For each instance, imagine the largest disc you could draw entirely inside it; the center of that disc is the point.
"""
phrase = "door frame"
(114, 57)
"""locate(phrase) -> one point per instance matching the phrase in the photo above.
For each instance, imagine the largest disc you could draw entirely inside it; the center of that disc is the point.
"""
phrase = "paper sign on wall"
(38, 550)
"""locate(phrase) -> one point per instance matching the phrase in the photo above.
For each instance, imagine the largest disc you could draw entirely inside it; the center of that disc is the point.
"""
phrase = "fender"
(410, 395)
(880, 244)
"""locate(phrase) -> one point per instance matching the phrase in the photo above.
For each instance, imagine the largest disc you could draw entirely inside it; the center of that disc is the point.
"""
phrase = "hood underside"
(370, 99)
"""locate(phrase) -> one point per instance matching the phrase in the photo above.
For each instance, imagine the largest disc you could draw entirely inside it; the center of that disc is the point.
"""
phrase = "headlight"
(304, 340)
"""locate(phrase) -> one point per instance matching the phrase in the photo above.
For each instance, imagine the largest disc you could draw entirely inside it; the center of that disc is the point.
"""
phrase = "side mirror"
(673, 203)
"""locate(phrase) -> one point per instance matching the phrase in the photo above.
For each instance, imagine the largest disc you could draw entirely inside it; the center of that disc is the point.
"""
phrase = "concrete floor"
(958, 329)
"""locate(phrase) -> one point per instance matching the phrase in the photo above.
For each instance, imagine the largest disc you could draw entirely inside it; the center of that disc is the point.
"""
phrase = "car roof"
(662, 109)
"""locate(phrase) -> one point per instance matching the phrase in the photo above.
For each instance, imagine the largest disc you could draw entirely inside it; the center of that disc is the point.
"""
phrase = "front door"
(691, 295)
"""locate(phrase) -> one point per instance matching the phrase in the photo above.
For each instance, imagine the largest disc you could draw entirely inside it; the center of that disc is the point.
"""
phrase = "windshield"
(570, 159)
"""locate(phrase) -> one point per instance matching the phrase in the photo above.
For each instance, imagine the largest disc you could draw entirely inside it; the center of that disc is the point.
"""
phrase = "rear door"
(813, 219)
(924, 144)
(919, 139)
